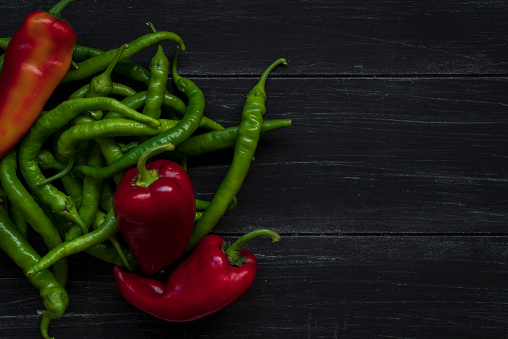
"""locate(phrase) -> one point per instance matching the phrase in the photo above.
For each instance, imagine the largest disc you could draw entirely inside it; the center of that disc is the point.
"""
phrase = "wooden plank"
(318, 37)
(368, 156)
(310, 287)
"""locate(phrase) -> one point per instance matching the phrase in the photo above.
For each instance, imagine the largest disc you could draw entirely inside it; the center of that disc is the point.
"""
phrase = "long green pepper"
(44, 127)
(100, 62)
(184, 129)
(159, 72)
(54, 296)
(246, 142)
(113, 127)
(106, 230)
(23, 201)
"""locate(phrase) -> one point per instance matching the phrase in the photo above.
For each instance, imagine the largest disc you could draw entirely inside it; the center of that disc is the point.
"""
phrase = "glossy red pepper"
(211, 278)
(36, 59)
(155, 208)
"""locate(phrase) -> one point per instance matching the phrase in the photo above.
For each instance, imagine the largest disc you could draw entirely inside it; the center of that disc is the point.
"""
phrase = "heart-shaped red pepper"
(155, 208)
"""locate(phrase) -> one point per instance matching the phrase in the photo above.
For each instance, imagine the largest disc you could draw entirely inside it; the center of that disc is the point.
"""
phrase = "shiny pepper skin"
(36, 59)
(203, 284)
(156, 219)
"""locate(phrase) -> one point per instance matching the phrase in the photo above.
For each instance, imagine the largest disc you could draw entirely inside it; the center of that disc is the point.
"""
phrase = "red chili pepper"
(155, 209)
(36, 59)
(211, 278)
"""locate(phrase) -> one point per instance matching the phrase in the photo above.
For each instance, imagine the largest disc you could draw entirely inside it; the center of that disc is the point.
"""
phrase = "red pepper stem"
(146, 177)
(58, 8)
(233, 251)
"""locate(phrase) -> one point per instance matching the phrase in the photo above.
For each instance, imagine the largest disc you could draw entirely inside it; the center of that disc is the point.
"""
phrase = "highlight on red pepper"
(155, 208)
(36, 60)
(213, 277)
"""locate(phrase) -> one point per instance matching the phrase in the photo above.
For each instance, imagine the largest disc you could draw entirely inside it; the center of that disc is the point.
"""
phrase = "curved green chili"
(108, 228)
(138, 100)
(214, 141)
(92, 188)
(19, 220)
(184, 129)
(48, 161)
(97, 63)
(103, 251)
(58, 8)
(45, 126)
(118, 89)
(70, 138)
(127, 68)
(23, 201)
(159, 72)
(72, 184)
(24, 256)
(246, 142)
(202, 205)
(101, 85)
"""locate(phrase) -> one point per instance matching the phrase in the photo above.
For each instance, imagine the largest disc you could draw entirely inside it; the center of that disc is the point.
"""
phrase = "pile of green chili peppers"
(60, 179)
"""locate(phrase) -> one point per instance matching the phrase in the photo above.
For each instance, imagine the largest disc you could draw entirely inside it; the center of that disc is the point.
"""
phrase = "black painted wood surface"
(390, 189)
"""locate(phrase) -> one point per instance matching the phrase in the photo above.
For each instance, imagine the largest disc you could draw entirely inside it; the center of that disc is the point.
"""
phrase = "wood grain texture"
(307, 287)
(390, 189)
(369, 156)
(318, 37)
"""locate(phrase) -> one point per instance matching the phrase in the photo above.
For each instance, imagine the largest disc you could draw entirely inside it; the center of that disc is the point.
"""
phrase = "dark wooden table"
(390, 190)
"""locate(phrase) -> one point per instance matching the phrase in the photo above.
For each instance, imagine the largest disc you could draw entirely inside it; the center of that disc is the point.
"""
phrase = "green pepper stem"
(174, 74)
(58, 8)
(102, 84)
(65, 171)
(159, 44)
(233, 251)
(146, 177)
(264, 76)
(114, 240)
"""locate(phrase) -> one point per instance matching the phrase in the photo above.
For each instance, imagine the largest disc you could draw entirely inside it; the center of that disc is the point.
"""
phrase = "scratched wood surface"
(390, 189)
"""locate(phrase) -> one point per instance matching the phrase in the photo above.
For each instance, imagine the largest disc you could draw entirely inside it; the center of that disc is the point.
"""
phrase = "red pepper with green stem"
(214, 276)
(36, 60)
(155, 208)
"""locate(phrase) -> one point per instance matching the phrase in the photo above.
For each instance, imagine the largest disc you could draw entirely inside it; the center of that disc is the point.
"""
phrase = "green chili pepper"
(184, 129)
(127, 68)
(97, 63)
(128, 146)
(45, 126)
(23, 201)
(48, 161)
(101, 85)
(118, 89)
(219, 140)
(159, 71)
(202, 205)
(92, 188)
(24, 256)
(104, 251)
(137, 101)
(108, 228)
(72, 184)
(70, 139)
(245, 147)
(19, 220)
